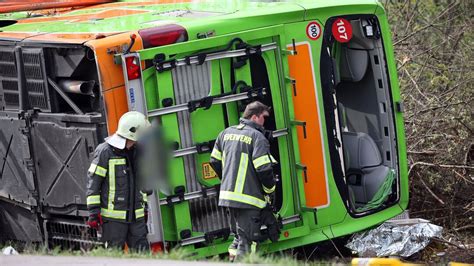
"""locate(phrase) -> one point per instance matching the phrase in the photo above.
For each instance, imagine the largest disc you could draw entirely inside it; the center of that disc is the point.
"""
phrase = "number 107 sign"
(342, 30)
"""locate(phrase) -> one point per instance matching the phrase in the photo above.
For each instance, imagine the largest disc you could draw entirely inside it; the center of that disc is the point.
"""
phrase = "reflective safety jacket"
(241, 157)
(111, 186)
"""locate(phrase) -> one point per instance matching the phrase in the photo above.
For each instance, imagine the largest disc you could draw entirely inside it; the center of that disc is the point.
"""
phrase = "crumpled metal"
(391, 239)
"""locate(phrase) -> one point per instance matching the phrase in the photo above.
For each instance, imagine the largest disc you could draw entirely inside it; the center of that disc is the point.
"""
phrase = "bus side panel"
(310, 144)
(115, 101)
(319, 167)
(111, 75)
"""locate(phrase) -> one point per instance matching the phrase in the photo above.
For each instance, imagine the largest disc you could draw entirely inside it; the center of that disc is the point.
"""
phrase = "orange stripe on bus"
(103, 14)
(143, 3)
(17, 35)
(31, 5)
(77, 38)
(306, 109)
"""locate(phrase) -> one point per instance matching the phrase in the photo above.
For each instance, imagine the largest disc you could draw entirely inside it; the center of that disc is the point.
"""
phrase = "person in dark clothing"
(241, 158)
(114, 202)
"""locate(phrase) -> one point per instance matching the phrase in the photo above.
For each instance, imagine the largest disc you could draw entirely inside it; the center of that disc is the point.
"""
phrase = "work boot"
(233, 249)
(231, 257)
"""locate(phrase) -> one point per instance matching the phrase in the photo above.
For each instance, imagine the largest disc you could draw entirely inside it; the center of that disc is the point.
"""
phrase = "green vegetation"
(174, 254)
(433, 42)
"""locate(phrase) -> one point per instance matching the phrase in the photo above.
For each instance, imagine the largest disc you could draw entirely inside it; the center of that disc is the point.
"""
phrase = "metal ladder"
(136, 101)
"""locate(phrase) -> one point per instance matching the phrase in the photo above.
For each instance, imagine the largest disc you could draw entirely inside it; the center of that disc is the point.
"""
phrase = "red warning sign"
(313, 30)
(342, 30)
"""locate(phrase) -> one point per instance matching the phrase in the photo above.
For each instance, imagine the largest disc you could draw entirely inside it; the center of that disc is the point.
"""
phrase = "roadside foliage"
(433, 43)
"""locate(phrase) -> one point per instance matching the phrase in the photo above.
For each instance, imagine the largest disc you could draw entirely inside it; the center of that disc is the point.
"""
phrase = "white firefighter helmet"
(131, 126)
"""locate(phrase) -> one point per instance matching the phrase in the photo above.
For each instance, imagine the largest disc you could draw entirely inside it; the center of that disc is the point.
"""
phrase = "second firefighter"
(241, 158)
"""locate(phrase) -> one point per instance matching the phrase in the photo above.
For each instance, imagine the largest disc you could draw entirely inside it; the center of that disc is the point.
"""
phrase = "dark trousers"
(245, 224)
(116, 234)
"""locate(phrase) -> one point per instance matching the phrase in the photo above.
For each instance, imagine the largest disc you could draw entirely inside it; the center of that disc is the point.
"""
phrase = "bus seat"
(354, 64)
(364, 170)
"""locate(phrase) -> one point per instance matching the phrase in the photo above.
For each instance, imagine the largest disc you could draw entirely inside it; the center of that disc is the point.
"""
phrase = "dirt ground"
(442, 253)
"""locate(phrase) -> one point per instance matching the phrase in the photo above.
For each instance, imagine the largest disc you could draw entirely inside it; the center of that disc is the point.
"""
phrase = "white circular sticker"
(313, 30)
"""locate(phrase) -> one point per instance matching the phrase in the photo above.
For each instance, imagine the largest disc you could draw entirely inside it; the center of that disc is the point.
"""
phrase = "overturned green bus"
(326, 69)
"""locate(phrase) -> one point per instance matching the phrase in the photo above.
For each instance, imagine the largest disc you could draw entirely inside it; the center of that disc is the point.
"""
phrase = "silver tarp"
(394, 239)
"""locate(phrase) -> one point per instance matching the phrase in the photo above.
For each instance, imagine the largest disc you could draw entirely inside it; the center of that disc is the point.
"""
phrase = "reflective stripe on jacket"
(111, 188)
(241, 156)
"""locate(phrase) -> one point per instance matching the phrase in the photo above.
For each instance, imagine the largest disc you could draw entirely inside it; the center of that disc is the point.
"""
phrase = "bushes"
(433, 42)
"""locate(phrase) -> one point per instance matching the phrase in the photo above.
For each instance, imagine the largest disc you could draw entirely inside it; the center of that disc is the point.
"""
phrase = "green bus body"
(211, 26)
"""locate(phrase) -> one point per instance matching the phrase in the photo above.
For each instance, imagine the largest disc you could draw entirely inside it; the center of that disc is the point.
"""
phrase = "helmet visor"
(116, 141)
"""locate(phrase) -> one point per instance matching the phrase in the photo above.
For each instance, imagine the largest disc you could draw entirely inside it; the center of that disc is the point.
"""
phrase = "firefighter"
(115, 204)
(241, 158)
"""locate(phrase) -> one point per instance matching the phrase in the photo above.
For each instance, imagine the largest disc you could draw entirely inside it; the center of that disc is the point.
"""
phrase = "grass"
(174, 254)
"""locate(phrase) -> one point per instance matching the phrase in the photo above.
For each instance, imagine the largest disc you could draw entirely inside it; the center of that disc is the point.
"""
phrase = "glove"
(94, 221)
(273, 223)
